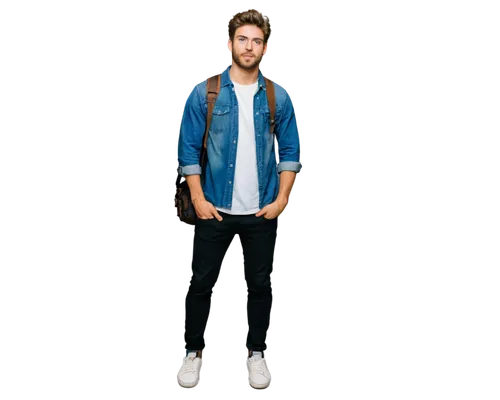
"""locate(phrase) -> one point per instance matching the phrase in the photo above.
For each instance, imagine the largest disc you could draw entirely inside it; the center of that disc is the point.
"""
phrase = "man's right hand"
(205, 210)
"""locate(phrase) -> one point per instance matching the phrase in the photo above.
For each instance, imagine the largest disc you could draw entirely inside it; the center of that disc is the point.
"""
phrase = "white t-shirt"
(246, 182)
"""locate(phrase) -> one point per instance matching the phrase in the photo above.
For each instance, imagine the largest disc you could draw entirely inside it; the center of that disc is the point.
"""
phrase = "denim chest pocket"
(220, 118)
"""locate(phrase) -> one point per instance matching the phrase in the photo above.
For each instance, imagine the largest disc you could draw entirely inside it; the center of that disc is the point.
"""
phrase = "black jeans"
(211, 241)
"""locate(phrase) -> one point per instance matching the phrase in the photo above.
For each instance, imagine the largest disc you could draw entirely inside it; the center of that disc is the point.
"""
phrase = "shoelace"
(189, 365)
(258, 366)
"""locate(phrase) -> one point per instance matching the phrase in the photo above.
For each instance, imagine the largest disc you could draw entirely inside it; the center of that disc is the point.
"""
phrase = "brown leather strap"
(271, 100)
(213, 87)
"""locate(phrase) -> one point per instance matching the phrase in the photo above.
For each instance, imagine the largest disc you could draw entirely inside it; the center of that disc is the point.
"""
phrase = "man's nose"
(249, 45)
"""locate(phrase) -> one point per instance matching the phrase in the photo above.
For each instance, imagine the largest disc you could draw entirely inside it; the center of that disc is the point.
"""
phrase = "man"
(242, 190)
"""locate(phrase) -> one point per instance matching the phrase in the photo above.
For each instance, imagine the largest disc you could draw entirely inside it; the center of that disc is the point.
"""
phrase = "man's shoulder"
(201, 88)
(280, 93)
(198, 94)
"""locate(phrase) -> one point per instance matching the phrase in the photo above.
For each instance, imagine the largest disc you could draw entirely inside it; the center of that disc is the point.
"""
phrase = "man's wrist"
(282, 201)
(197, 198)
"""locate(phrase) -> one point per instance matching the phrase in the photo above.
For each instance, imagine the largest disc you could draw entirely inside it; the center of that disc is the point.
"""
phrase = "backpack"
(183, 203)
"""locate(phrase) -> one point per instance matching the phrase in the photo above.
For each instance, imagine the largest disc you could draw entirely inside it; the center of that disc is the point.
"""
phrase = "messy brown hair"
(250, 17)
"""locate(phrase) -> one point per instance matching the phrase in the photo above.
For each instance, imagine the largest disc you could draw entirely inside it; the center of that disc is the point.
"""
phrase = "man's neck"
(243, 76)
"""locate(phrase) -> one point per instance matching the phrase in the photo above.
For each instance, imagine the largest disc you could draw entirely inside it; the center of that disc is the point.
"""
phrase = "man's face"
(248, 46)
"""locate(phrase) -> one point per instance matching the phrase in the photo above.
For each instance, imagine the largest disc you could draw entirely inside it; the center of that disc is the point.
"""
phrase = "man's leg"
(211, 241)
(258, 238)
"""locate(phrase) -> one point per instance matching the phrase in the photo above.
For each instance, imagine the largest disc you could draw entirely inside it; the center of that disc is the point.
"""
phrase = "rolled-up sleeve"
(287, 136)
(191, 135)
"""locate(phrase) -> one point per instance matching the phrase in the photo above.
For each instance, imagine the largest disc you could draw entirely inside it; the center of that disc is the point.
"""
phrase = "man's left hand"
(273, 210)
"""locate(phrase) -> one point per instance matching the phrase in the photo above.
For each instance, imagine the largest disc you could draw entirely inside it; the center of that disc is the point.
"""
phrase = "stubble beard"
(245, 66)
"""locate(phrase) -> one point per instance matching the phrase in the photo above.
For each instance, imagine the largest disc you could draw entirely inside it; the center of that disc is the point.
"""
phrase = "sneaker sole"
(259, 386)
(188, 385)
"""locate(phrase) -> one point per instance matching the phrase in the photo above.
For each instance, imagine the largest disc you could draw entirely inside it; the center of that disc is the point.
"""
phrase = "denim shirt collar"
(226, 80)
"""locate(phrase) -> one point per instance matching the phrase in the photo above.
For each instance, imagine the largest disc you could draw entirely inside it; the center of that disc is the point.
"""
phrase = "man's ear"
(230, 45)
(267, 49)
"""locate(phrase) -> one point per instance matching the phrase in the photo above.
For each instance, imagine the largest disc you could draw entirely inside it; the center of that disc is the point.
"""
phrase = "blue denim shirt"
(222, 141)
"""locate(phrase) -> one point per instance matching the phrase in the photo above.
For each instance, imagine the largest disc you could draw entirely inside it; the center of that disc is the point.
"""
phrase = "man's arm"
(189, 150)
(287, 178)
(194, 183)
(289, 145)
(191, 135)
(289, 166)
(204, 209)
(276, 207)
(287, 136)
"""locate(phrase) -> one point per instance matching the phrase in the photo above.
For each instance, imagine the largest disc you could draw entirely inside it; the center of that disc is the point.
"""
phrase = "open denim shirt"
(222, 141)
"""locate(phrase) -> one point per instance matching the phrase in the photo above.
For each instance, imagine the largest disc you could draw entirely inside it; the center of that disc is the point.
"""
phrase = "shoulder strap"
(213, 87)
(271, 100)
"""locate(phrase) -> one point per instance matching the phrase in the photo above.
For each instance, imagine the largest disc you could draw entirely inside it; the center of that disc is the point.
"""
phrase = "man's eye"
(241, 39)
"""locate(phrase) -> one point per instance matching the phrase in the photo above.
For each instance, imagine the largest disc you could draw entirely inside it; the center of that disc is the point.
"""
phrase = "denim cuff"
(294, 166)
(193, 169)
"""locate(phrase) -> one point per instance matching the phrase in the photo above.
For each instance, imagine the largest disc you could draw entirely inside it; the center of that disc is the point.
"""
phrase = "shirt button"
(234, 141)
(256, 113)
(257, 97)
(231, 165)
(230, 182)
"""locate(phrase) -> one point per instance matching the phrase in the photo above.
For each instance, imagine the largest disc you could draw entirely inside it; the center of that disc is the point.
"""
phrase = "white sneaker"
(189, 374)
(258, 374)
